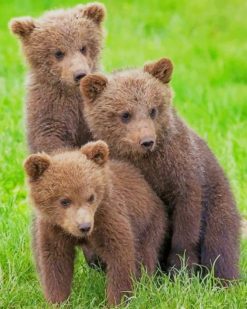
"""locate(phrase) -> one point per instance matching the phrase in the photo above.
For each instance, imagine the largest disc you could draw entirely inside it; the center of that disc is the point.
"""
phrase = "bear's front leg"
(186, 221)
(119, 279)
(151, 241)
(114, 243)
(54, 253)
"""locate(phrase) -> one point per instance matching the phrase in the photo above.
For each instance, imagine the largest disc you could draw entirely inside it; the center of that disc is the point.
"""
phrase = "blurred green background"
(207, 42)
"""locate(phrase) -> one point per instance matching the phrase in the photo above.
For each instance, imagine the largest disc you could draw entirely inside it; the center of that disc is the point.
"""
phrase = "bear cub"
(61, 47)
(81, 197)
(132, 111)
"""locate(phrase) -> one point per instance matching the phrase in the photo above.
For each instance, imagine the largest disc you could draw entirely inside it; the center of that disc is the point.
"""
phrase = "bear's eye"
(125, 117)
(153, 112)
(83, 50)
(91, 198)
(59, 54)
(65, 202)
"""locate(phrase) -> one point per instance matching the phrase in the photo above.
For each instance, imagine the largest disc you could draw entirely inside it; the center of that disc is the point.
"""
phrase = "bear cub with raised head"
(61, 48)
(81, 197)
(132, 111)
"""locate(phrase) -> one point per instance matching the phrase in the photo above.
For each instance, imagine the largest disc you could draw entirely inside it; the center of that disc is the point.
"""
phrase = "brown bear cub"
(132, 111)
(81, 197)
(61, 47)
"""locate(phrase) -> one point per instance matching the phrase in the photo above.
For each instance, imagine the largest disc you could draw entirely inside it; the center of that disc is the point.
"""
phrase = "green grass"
(207, 42)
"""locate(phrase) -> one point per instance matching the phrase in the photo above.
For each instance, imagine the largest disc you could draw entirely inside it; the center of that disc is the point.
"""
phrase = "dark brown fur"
(54, 114)
(204, 222)
(126, 218)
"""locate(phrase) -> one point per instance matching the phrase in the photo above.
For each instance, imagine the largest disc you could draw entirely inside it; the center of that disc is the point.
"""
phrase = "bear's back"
(132, 195)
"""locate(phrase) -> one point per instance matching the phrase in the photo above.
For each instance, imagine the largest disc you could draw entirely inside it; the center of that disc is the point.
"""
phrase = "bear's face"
(63, 46)
(129, 109)
(67, 188)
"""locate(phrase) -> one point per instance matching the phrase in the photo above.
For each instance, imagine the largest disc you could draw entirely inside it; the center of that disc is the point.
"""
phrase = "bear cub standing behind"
(81, 197)
(61, 48)
(132, 111)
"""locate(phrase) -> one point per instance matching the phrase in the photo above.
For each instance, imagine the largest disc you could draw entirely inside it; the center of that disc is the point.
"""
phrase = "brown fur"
(204, 223)
(124, 216)
(54, 115)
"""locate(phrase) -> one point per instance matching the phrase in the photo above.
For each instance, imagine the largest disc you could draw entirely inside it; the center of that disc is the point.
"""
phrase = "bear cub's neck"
(54, 89)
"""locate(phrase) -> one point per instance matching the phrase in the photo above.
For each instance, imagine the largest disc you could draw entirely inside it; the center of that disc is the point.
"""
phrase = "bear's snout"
(85, 227)
(78, 75)
(147, 143)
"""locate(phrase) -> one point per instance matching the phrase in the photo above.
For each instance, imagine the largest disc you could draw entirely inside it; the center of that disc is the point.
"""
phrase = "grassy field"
(207, 42)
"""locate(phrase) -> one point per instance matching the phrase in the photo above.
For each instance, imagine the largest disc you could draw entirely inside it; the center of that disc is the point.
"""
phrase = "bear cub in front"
(82, 198)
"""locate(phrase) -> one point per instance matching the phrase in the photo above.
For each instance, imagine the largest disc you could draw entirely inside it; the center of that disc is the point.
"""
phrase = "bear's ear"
(94, 11)
(161, 69)
(36, 164)
(96, 151)
(22, 26)
(92, 86)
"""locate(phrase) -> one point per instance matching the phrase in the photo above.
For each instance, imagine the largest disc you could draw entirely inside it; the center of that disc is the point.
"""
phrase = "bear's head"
(67, 188)
(62, 45)
(129, 109)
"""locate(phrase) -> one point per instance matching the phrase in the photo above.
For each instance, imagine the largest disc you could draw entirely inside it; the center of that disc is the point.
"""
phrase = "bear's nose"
(84, 227)
(147, 143)
(78, 75)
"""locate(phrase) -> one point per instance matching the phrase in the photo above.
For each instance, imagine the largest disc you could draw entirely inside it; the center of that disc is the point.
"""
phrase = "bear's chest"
(156, 174)
(84, 134)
